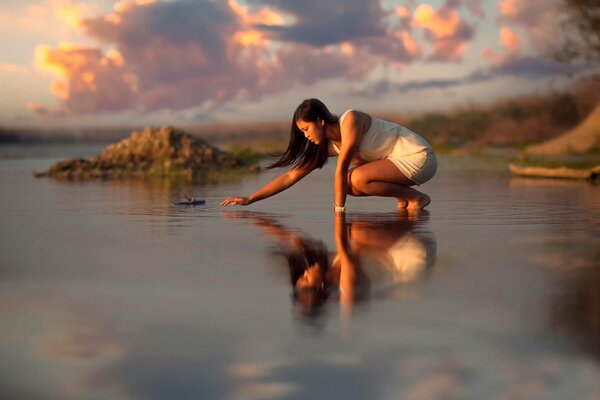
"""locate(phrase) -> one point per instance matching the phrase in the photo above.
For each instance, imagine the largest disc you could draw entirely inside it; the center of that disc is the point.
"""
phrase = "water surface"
(108, 291)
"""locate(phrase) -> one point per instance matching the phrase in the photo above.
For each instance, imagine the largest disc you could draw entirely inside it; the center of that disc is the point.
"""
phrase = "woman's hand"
(236, 201)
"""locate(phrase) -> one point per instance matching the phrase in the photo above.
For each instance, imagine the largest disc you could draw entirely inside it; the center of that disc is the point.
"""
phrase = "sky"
(102, 62)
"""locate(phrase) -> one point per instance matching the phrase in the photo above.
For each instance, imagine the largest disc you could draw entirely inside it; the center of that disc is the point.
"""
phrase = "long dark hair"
(308, 253)
(302, 153)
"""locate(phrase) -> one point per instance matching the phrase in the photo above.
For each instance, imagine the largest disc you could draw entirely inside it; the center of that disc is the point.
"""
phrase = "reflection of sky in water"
(109, 291)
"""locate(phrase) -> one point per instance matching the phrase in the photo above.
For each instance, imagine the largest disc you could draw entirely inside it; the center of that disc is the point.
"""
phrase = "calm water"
(107, 291)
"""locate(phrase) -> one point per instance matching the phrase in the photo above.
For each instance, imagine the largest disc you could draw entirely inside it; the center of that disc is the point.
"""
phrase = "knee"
(358, 180)
(352, 189)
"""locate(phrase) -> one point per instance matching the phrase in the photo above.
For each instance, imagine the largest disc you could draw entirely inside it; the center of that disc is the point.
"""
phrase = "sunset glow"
(14, 68)
(403, 12)
(508, 7)
(409, 43)
(348, 49)
(125, 5)
(134, 53)
(71, 14)
(509, 40)
(441, 25)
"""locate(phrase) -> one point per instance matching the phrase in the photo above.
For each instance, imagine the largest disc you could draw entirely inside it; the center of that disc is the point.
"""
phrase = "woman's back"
(381, 138)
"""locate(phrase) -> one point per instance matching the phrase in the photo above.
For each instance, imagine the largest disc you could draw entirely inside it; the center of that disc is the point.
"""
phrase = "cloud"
(510, 40)
(524, 67)
(181, 54)
(384, 87)
(510, 43)
(475, 7)
(536, 17)
(56, 19)
(320, 23)
(524, 22)
(156, 55)
(90, 80)
(360, 25)
(168, 41)
(531, 67)
(445, 29)
(172, 55)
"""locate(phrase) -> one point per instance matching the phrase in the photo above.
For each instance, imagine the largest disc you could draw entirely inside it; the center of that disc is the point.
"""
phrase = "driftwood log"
(559, 173)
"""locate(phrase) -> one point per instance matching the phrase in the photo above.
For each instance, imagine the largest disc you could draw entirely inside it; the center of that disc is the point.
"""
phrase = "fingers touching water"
(235, 201)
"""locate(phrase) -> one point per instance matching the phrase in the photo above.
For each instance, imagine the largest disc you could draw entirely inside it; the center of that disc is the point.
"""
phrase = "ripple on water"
(161, 212)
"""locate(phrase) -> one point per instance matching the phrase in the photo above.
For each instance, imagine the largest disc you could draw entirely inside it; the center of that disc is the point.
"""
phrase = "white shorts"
(418, 167)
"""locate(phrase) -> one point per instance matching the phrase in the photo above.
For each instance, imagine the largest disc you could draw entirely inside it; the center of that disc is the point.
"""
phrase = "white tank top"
(382, 136)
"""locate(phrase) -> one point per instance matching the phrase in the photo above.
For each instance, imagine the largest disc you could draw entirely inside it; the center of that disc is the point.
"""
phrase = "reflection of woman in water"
(374, 255)
(389, 158)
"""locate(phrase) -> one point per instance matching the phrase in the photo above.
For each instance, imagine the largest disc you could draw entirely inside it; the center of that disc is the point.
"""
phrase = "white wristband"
(337, 208)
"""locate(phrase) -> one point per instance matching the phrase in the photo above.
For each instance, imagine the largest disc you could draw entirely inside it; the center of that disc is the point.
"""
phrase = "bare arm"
(355, 123)
(278, 231)
(348, 266)
(277, 185)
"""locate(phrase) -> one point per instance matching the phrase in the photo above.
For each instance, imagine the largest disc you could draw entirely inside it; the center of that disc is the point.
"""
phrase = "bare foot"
(419, 204)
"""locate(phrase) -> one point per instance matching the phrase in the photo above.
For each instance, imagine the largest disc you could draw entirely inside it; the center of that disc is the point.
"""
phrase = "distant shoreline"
(233, 133)
(510, 123)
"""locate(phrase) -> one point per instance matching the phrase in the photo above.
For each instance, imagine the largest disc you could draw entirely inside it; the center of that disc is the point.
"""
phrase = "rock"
(161, 152)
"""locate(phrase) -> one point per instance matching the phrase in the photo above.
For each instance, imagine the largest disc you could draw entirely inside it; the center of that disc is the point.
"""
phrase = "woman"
(389, 158)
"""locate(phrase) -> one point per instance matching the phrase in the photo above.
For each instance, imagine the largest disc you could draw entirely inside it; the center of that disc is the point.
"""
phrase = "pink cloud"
(185, 54)
(182, 54)
(510, 43)
(445, 29)
(90, 80)
(510, 40)
(536, 17)
(525, 22)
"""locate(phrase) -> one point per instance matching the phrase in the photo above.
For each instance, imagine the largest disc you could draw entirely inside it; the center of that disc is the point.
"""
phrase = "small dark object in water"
(191, 201)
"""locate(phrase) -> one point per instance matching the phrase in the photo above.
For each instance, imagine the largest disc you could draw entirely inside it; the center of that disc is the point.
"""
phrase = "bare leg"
(353, 191)
(383, 178)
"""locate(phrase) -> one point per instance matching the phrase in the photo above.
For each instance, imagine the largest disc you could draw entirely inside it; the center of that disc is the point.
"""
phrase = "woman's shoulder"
(352, 112)
(344, 114)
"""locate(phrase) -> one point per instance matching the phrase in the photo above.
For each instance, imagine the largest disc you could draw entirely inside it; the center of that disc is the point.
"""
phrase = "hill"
(163, 152)
(584, 138)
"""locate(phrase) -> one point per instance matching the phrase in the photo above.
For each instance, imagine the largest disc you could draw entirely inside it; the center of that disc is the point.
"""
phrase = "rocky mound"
(152, 152)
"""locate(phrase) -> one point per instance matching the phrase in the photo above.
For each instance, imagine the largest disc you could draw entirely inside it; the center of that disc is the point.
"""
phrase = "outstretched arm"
(351, 131)
(277, 185)
(348, 266)
(278, 231)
